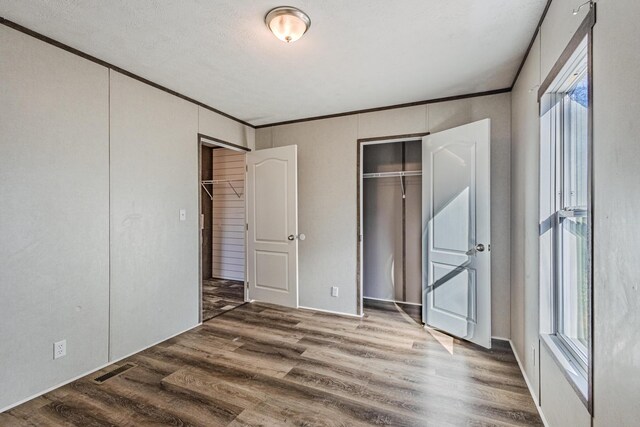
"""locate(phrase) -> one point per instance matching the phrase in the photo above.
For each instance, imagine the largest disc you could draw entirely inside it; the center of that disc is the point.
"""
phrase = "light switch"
(183, 214)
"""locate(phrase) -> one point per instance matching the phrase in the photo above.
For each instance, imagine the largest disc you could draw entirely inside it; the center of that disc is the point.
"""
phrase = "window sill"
(568, 367)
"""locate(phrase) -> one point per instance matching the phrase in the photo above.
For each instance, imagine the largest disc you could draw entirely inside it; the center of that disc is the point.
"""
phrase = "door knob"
(291, 237)
(480, 247)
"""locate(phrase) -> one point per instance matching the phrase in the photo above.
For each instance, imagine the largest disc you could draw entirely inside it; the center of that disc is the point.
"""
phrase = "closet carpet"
(220, 295)
(264, 365)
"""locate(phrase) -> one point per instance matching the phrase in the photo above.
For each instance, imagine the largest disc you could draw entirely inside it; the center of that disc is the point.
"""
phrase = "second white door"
(272, 220)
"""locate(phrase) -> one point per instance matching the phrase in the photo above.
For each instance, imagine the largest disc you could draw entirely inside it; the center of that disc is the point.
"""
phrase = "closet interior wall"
(228, 207)
(392, 225)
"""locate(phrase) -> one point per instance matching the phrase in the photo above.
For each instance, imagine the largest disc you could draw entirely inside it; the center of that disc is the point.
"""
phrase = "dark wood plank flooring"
(220, 295)
(261, 365)
(413, 311)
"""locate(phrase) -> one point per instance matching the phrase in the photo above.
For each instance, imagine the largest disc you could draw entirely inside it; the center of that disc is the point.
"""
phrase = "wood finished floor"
(260, 365)
(220, 295)
(413, 311)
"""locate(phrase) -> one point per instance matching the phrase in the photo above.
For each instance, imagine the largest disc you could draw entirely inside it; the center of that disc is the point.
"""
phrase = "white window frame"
(564, 210)
(574, 361)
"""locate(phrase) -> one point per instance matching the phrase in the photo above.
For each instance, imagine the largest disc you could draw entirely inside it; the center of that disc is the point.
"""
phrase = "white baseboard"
(359, 316)
(20, 402)
(526, 380)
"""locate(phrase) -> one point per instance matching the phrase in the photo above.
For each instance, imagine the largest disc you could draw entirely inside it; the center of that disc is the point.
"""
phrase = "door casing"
(360, 214)
(211, 141)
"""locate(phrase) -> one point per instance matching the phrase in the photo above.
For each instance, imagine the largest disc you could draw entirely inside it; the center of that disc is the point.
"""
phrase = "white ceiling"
(358, 54)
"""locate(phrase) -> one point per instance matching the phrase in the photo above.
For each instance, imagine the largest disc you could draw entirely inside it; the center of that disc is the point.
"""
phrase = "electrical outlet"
(183, 214)
(59, 349)
(334, 291)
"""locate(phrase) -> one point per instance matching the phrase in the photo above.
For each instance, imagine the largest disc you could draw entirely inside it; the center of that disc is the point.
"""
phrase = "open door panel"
(456, 220)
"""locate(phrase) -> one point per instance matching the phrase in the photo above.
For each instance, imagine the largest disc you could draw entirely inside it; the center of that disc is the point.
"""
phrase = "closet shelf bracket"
(205, 189)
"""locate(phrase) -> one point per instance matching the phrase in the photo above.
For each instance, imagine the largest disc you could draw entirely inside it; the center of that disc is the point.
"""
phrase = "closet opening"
(391, 224)
(222, 226)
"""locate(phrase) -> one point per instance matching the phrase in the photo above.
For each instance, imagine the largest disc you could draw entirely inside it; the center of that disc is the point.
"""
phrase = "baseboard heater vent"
(119, 370)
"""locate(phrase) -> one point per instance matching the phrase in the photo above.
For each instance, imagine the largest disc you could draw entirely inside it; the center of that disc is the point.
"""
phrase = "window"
(571, 261)
(565, 204)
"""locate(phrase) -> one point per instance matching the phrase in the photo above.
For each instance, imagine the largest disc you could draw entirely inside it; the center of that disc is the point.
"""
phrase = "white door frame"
(210, 141)
(360, 238)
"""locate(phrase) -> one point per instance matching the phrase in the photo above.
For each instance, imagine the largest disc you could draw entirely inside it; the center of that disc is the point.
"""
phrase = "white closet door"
(456, 232)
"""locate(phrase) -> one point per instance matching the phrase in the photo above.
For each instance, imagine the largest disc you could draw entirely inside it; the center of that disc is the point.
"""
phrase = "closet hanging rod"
(391, 174)
(219, 181)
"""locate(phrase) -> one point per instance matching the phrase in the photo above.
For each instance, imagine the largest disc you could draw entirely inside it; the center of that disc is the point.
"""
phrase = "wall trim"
(526, 380)
(338, 313)
(220, 143)
(584, 30)
(91, 371)
(98, 61)
(110, 66)
(533, 40)
(383, 138)
(359, 204)
(389, 107)
(213, 142)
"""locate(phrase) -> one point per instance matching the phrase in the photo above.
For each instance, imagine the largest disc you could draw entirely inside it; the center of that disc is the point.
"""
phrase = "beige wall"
(213, 124)
(616, 97)
(154, 256)
(326, 208)
(616, 201)
(54, 215)
(524, 216)
(327, 152)
(559, 403)
(80, 153)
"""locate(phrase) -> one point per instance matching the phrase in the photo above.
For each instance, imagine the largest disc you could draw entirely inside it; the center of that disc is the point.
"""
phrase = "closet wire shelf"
(391, 174)
(220, 181)
(399, 174)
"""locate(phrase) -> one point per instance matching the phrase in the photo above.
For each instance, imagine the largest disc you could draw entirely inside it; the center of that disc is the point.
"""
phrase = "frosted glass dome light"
(287, 23)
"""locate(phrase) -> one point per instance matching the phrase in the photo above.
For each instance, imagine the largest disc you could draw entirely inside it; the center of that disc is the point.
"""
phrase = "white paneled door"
(272, 217)
(456, 218)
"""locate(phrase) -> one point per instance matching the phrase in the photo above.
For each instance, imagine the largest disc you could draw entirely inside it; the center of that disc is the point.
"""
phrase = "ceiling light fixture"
(287, 23)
